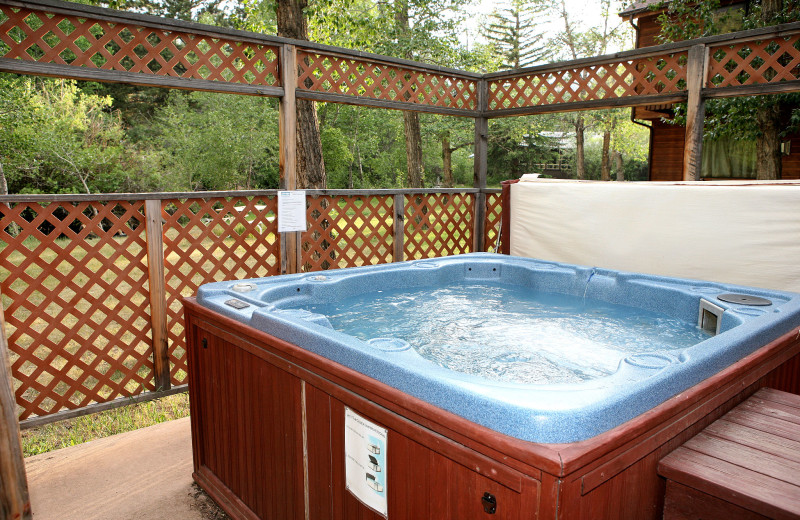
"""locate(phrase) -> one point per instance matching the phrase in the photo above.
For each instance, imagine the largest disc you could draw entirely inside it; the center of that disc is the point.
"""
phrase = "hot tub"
(568, 407)
(279, 372)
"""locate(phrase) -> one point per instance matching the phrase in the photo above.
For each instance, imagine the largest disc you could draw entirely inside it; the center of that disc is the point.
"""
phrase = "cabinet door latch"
(489, 503)
(205, 343)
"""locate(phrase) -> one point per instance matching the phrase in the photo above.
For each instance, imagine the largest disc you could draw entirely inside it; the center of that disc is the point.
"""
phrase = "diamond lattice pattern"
(494, 213)
(348, 231)
(209, 240)
(339, 75)
(33, 35)
(642, 77)
(74, 285)
(438, 224)
(749, 63)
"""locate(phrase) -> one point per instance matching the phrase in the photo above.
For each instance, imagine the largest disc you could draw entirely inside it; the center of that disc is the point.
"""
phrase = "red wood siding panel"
(649, 29)
(791, 162)
(248, 411)
(423, 483)
(666, 162)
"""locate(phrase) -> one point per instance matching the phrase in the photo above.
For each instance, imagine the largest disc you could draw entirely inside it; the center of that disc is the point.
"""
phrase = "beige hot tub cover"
(743, 233)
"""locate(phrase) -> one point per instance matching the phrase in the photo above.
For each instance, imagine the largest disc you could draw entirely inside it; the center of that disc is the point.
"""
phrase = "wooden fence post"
(14, 501)
(399, 227)
(158, 294)
(480, 166)
(695, 112)
(287, 137)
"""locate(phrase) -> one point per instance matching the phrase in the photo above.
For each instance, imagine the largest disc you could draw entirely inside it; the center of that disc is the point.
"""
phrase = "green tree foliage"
(515, 31)
(218, 142)
(65, 141)
(18, 118)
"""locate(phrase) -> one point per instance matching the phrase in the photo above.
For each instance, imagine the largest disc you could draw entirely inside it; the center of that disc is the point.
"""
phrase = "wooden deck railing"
(91, 285)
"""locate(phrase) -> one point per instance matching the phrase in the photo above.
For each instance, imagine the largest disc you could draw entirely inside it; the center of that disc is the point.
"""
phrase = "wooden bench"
(745, 465)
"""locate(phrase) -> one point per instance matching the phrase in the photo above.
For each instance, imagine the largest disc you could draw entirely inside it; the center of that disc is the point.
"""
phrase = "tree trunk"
(416, 174)
(3, 181)
(414, 150)
(605, 165)
(768, 143)
(447, 161)
(620, 169)
(580, 159)
(310, 164)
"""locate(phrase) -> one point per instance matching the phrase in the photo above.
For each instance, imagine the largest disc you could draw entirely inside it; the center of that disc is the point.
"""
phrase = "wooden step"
(744, 465)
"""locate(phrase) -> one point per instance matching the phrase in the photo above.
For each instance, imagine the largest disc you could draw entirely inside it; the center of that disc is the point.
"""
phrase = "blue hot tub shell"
(556, 413)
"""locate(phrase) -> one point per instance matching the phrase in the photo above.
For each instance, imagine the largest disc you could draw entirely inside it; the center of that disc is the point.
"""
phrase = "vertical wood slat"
(479, 212)
(480, 166)
(287, 137)
(14, 500)
(158, 294)
(399, 226)
(695, 113)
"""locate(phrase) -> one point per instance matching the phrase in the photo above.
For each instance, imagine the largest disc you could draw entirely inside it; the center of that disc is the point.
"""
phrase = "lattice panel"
(348, 231)
(642, 77)
(338, 75)
(75, 294)
(755, 62)
(209, 240)
(493, 218)
(438, 224)
(84, 42)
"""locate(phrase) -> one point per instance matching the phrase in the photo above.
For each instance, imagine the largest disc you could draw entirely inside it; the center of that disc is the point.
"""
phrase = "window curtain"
(726, 158)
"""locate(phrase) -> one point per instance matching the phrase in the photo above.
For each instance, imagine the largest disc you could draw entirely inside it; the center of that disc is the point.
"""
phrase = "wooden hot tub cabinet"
(268, 438)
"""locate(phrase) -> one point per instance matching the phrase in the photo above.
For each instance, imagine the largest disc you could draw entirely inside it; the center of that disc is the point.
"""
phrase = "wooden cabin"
(723, 159)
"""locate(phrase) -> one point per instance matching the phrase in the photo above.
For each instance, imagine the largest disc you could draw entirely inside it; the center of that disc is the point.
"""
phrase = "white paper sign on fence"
(291, 211)
(365, 461)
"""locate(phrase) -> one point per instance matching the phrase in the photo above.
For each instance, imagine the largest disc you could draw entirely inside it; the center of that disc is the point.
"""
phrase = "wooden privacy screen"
(209, 240)
(348, 231)
(75, 294)
(75, 41)
(772, 60)
(595, 82)
(46, 37)
(333, 74)
(438, 224)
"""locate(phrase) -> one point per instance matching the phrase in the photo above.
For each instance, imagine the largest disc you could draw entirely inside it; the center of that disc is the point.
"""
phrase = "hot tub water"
(510, 333)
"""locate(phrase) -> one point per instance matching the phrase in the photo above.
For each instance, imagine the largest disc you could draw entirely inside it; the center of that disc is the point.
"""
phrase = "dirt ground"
(140, 475)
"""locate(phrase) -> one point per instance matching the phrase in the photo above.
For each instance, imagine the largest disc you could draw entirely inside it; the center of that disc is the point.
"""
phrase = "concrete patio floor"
(143, 474)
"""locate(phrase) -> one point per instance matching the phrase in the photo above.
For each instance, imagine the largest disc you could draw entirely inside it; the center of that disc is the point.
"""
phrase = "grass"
(103, 424)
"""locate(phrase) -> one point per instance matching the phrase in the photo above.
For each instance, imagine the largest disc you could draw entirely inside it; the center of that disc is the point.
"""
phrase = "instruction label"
(291, 211)
(365, 461)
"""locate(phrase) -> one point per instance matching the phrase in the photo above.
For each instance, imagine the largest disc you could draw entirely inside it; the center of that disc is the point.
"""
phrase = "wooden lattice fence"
(75, 295)
(209, 240)
(80, 279)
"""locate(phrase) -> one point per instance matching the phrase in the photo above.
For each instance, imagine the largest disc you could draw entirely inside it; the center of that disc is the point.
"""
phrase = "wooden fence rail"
(91, 285)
